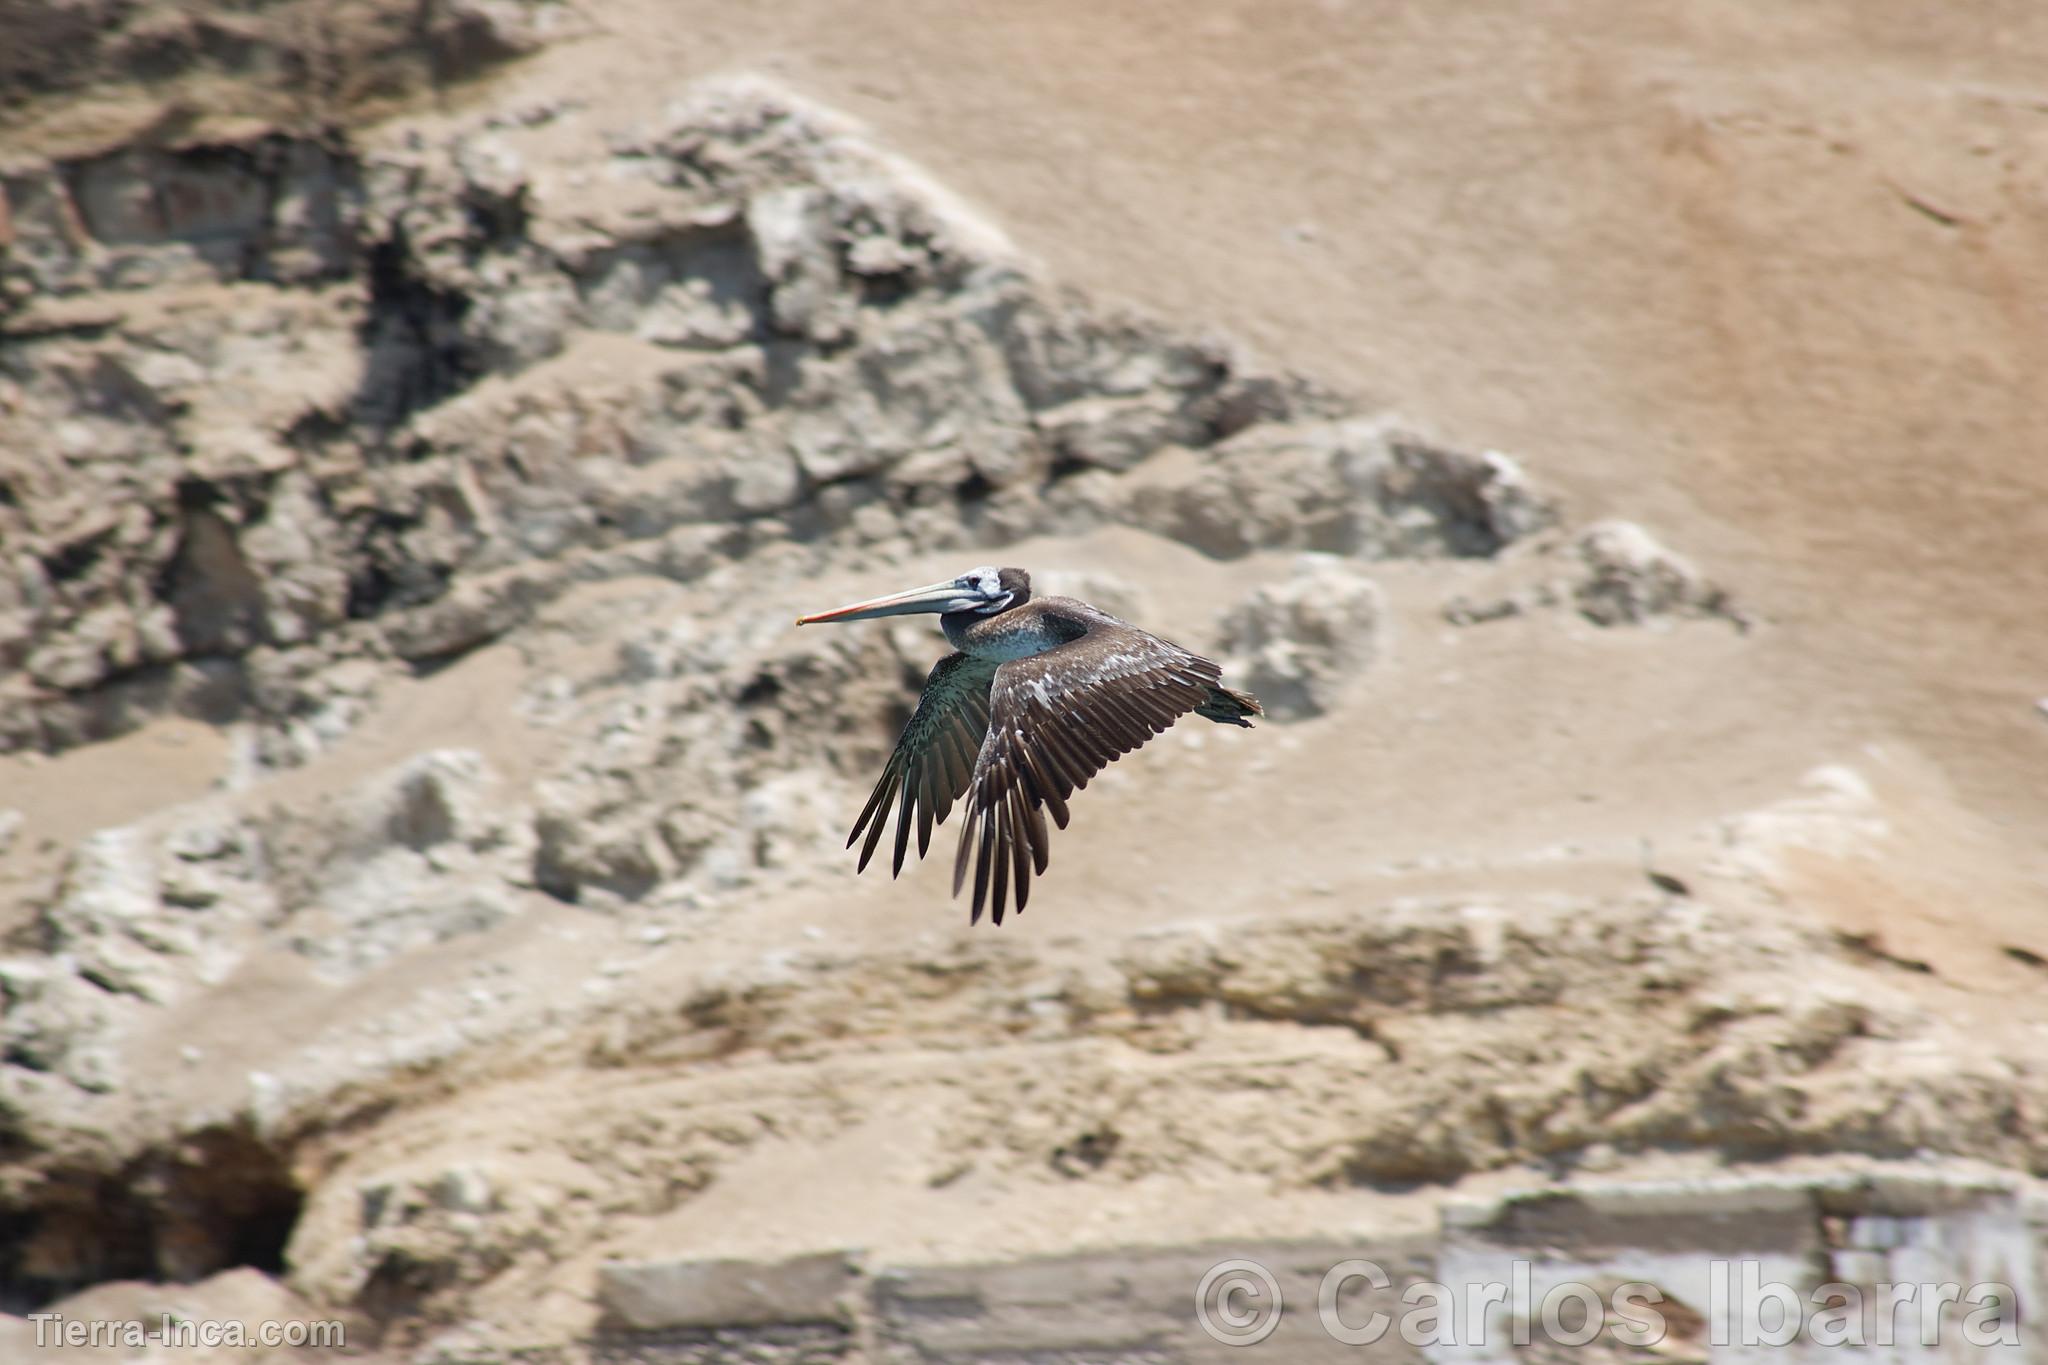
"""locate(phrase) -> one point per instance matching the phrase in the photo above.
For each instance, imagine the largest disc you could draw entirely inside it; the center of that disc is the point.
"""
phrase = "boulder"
(1298, 644)
(1629, 578)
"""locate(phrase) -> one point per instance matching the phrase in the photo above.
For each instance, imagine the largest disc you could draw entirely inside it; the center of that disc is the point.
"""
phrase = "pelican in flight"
(1039, 696)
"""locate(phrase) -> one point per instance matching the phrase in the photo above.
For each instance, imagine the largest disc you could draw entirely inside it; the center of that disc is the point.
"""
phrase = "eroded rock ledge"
(1687, 1243)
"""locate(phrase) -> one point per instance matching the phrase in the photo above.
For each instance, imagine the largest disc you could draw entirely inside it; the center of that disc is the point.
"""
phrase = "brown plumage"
(1042, 695)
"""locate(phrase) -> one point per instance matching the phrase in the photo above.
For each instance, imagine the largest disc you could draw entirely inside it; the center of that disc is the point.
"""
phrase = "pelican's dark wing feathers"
(934, 758)
(1056, 720)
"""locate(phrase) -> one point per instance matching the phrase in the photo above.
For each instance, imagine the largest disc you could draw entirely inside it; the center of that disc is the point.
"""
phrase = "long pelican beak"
(939, 597)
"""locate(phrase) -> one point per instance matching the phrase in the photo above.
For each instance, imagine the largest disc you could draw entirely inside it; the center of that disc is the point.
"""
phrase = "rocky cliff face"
(382, 407)
(458, 482)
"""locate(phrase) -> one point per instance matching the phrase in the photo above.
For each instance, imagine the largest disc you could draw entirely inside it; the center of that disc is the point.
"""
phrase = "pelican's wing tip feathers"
(923, 776)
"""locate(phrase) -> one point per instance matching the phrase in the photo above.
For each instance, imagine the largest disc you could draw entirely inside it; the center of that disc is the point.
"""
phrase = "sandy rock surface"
(421, 831)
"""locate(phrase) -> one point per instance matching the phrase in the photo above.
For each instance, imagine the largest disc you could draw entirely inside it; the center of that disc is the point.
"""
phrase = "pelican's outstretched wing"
(933, 759)
(1057, 719)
